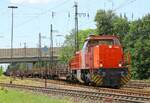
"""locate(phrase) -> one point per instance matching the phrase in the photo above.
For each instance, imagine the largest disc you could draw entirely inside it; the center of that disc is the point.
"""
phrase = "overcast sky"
(34, 16)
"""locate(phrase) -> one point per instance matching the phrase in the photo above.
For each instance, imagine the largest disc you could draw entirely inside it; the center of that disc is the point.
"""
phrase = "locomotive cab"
(103, 49)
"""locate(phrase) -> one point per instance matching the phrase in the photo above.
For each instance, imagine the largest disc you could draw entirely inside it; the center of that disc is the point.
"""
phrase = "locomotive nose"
(113, 77)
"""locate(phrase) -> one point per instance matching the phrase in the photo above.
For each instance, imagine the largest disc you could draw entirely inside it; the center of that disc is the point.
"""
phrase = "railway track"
(132, 84)
(137, 84)
(123, 90)
(98, 96)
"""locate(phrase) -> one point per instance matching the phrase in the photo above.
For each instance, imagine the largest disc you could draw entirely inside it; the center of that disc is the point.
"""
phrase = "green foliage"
(1, 71)
(120, 27)
(12, 96)
(104, 21)
(22, 66)
(83, 34)
(109, 23)
(38, 64)
(138, 41)
(67, 50)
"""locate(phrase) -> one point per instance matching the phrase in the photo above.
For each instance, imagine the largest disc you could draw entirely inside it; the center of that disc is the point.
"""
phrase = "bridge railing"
(28, 52)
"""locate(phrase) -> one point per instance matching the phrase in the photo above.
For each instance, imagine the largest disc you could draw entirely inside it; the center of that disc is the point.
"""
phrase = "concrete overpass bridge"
(29, 55)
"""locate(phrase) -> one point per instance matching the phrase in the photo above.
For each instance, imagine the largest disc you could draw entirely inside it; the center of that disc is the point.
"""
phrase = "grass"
(15, 96)
(5, 79)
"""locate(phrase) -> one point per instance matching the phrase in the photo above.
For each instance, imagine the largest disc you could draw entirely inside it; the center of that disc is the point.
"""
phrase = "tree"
(120, 27)
(104, 21)
(68, 48)
(138, 41)
(22, 67)
(108, 22)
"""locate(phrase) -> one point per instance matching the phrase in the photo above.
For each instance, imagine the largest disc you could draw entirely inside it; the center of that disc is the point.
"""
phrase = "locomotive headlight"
(101, 65)
(110, 46)
(120, 65)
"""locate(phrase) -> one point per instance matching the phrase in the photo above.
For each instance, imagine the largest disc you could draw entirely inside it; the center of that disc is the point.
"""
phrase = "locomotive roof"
(96, 37)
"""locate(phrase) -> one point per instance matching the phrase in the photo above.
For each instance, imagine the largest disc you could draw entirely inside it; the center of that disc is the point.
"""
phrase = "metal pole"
(46, 75)
(39, 44)
(76, 27)
(12, 30)
(50, 54)
(40, 53)
(25, 53)
(51, 45)
(12, 35)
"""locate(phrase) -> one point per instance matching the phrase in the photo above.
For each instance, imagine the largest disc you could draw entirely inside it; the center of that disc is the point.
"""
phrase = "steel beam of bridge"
(27, 59)
(32, 55)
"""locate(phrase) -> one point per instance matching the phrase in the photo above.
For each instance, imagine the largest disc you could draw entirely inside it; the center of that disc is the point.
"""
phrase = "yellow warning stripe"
(128, 77)
(95, 77)
(122, 81)
(125, 79)
(98, 79)
(99, 82)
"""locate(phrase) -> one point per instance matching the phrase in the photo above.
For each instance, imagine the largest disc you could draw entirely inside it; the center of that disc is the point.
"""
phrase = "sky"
(35, 16)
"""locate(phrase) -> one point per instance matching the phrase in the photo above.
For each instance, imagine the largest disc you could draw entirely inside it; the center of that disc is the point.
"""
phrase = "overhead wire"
(124, 4)
(112, 3)
(24, 5)
(127, 2)
(42, 13)
(2, 13)
(59, 13)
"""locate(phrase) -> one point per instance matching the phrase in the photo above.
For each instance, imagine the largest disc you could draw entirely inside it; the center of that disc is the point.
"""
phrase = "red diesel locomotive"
(100, 62)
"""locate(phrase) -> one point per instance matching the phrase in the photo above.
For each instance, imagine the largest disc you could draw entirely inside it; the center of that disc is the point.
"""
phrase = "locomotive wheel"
(86, 81)
(71, 78)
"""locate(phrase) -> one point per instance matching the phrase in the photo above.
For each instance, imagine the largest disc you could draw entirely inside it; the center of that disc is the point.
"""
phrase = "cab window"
(116, 42)
(101, 41)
